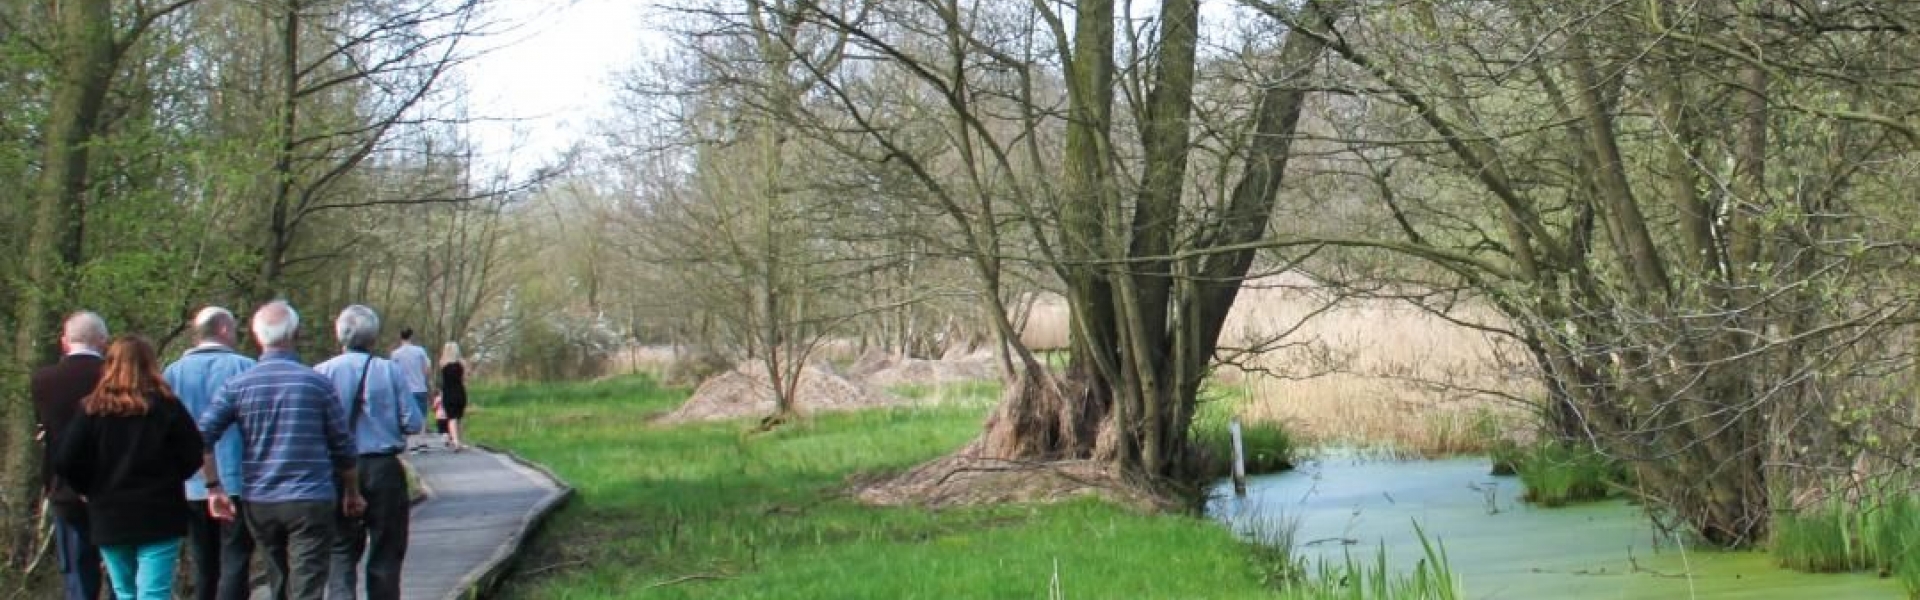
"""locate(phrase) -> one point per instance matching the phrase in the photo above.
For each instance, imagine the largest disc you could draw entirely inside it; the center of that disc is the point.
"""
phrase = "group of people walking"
(233, 456)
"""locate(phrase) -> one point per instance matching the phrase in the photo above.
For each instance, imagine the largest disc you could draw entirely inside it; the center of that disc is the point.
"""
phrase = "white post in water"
(1239, 460)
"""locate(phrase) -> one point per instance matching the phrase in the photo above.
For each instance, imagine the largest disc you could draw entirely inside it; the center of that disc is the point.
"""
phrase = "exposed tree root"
(965, 479)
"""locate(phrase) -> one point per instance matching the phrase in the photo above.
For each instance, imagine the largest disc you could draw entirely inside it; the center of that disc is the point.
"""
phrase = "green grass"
(1431, 579)
(1269, 447)
(974, 392)
(1558, 474)
(1877, 532)
(707, 511)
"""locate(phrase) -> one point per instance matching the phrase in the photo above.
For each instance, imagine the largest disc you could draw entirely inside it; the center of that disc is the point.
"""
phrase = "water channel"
(1503, 548)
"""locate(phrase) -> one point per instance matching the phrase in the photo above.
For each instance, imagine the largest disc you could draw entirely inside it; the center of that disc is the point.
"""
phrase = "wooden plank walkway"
(481, 507)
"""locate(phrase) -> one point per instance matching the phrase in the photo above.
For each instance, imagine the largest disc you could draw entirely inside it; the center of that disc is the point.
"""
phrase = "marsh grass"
(1432, 578)
(1558, 474)
(1269, 447)
(1877, 531)
(1372, 374)
(708, 511)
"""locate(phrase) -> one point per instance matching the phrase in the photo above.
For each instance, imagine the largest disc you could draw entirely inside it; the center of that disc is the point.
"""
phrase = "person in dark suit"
(57, 391)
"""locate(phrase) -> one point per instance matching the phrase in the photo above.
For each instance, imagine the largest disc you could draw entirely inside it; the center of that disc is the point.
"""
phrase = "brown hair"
(130, 376)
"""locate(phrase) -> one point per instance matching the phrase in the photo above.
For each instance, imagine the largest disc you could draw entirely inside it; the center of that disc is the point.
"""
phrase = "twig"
(686, 578)
(559, 565)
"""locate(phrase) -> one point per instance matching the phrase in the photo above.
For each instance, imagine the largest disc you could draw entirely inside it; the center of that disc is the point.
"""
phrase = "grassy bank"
(703, 511)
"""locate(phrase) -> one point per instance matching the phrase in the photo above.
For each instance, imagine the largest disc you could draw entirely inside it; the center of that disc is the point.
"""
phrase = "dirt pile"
(880, 369)
(744, 392)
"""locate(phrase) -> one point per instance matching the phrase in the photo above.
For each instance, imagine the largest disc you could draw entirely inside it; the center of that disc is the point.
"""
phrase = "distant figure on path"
(418, 367)
(221, 549)
(294, 445)
(127, 453)
(453, 392)
(381, 412)
(57, 392)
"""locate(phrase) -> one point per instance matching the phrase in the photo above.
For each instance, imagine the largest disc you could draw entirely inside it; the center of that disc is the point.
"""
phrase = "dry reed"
(1375, 374)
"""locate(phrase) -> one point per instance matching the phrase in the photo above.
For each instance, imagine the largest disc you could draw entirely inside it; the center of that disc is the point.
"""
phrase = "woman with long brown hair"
(127, 453)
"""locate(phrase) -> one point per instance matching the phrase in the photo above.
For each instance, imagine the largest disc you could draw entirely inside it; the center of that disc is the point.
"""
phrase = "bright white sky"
(550, 75)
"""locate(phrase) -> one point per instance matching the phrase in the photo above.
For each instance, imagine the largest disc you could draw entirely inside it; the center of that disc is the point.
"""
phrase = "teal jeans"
(142, 571)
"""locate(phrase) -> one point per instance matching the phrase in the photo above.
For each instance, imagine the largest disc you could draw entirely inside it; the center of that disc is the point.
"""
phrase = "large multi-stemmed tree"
(1035, 166)
(1679, 207)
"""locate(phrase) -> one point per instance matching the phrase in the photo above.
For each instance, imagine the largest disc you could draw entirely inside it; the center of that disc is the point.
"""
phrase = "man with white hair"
(57, 391)
(294, 445)
(380, 410)
(221, 549)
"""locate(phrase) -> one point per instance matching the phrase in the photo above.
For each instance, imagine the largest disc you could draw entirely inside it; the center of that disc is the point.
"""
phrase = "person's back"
(284, 411)
(130, 468)
(221, 550)
(414, 364)
(128, 452)
(380, 409)
(294, 446)
(57, 391)
(196, 378)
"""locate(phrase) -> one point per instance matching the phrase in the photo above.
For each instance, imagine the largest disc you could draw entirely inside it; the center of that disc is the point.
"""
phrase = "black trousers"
(221, 554)
(379, 536)
(293, 538)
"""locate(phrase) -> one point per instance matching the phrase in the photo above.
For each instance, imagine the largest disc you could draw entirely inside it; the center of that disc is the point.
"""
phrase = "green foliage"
(1879, 531)
(1269, 447)
(1432, 578)
(708, 511)
(1558, 474)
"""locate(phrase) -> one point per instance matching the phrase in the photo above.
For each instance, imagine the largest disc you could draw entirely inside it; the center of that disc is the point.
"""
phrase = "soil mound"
(963, 479)
(884, 370)
(744, 392)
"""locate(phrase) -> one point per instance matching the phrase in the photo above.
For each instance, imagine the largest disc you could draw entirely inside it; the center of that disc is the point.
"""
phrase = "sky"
(543, 81)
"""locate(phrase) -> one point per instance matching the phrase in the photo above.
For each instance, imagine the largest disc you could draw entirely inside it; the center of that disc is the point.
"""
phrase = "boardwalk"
(479, 508)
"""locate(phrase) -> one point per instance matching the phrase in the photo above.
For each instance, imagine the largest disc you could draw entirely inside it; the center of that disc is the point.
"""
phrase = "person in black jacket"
(57, 391)
(127, 453)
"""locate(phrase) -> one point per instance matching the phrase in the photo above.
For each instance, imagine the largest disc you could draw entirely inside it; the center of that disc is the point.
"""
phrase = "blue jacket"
(388, 414)
(195, 378)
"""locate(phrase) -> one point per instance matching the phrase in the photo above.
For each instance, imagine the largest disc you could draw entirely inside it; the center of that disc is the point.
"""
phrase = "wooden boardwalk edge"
(484, 580)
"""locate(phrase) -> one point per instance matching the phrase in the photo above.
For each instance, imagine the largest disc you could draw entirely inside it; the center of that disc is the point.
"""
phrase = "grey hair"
(275, 323)
(450, 353)
(211, 321)
(357, 327)
(85, 328)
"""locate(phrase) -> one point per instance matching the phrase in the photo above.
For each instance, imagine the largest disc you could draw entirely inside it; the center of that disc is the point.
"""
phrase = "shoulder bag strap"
(359, 397)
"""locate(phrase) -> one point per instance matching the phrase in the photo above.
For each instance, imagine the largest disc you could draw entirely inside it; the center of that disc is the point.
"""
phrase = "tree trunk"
(86, 70)
(1143, 337)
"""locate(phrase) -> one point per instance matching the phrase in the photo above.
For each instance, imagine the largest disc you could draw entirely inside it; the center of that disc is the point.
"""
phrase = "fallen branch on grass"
(686, 578)
(555, 566)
